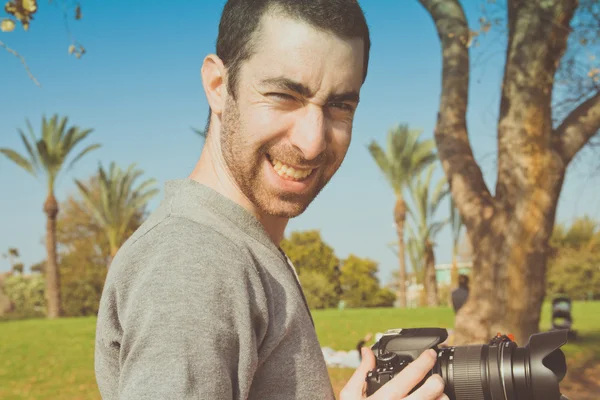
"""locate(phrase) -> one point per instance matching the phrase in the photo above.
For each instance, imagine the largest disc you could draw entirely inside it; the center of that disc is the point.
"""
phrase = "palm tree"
(117, 202)
(47, 156)
(425, 229)
(404, 157)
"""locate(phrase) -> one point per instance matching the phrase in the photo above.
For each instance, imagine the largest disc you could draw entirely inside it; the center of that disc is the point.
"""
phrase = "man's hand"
(399, 386)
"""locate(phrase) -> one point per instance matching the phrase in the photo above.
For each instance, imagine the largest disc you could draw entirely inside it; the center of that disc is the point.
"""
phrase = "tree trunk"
(509, 270)
(509, 231)
(454, 270)
(52, 273)
(430, 278)
(400, 218)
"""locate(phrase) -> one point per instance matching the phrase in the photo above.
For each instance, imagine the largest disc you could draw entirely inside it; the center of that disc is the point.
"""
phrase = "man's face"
(288, 130)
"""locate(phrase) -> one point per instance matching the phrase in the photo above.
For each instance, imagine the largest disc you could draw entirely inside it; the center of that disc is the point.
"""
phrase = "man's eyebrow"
(288, 84)
(347, 96)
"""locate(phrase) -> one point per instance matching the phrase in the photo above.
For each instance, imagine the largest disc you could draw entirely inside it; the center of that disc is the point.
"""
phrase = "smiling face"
(289, 128)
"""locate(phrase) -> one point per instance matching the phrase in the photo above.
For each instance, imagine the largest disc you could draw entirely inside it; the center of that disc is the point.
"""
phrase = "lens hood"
(547, 364)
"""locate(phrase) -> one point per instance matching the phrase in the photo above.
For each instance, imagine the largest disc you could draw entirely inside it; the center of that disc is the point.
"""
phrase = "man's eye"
(342, 106)
(282, 96)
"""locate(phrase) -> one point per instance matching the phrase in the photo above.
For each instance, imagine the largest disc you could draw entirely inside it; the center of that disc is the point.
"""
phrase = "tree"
(12, 255)
(509, 229)
(360, 285)
(117, 201)
(84, 251)
(404, 157)
(47, 155)
(424, 229)
(317, 267)
(23, 11)
(574, 265)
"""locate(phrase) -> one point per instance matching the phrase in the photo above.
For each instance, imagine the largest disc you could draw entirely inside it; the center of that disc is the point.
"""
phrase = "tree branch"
(469, 190)
(22, 59)
(577, 128)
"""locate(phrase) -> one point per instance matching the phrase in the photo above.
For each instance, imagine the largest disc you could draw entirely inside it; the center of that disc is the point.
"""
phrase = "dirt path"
(582, 384)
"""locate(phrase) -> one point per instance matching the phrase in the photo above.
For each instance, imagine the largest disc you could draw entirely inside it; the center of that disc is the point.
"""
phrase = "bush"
(81, 297)
(384, 297)
(318, 290)
(575, 273)
(26, 292)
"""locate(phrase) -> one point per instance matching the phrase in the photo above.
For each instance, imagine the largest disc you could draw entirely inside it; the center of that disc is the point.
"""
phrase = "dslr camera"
(499, 370)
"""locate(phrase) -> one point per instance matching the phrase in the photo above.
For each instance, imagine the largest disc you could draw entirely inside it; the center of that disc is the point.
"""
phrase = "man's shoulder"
(172, 246)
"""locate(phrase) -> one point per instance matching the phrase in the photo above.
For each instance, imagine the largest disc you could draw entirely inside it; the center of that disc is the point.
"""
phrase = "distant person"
(461, 293)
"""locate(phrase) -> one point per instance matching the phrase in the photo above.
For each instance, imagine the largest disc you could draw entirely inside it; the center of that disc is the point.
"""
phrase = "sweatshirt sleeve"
(192, 325)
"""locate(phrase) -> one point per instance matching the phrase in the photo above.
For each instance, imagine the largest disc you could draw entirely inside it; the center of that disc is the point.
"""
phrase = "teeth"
(289, 172)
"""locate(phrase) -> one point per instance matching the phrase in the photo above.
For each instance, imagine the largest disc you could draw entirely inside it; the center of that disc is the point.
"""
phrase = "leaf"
(7, 25)
(19, 160)
(78, 12)
(71, 49)
(83, 153)
(23, 10)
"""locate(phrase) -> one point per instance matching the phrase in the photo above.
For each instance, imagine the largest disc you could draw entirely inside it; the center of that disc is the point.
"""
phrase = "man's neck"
(210, 170)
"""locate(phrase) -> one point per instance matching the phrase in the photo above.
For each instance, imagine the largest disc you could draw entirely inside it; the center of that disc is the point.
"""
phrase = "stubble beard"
(245, 166)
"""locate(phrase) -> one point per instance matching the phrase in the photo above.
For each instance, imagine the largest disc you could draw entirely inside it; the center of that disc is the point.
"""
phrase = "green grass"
(341, 330)
(42, 359)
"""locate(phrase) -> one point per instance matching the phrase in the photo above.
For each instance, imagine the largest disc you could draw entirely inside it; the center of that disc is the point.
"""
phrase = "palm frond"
(78, 137)
(32, 154)
(47, 154)
(19, 160)
(436, 227)
(83, 153)
(118, 199)
(90, 202)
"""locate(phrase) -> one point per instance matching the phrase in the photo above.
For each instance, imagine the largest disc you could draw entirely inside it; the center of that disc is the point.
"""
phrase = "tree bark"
(400, 218)
(509, 230)
(53, 297)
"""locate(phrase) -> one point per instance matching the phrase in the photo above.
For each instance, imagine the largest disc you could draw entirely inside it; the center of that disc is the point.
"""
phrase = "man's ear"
(214, 82)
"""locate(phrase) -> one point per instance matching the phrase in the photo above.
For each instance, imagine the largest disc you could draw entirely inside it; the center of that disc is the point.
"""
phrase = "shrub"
(26, 292)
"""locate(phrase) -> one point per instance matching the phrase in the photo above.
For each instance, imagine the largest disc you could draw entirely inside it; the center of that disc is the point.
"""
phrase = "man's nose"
(310, 132)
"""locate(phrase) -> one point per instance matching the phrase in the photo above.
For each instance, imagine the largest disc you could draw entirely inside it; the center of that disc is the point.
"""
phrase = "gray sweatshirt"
(200, 304)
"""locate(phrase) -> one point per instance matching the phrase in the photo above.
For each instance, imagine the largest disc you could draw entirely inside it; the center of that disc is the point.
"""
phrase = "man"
(201, 303)
(461, 293)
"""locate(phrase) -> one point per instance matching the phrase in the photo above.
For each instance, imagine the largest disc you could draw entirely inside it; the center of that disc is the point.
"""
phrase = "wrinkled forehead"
(294, 49)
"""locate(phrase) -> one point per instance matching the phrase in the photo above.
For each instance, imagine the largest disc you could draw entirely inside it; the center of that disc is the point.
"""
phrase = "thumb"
(355, 387)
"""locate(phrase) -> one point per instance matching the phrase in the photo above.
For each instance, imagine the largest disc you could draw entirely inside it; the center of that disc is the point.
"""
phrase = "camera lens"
(461, 369)
(503, 371)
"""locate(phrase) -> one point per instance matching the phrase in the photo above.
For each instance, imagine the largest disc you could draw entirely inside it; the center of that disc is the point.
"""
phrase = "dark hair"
(240, 21)
(463, 280)
(241, 18)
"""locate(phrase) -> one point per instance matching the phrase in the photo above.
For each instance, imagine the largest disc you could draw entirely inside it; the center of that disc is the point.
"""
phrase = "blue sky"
(139, 88)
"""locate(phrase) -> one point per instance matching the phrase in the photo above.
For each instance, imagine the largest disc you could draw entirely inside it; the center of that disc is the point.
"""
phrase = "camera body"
(498, 370)
(399, 347)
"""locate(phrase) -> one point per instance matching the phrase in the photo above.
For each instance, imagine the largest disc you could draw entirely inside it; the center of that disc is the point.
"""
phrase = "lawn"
(49, 360)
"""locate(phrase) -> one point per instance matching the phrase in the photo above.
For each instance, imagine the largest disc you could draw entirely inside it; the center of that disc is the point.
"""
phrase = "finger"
(432, 389)
(409, 377)
(356, 384)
